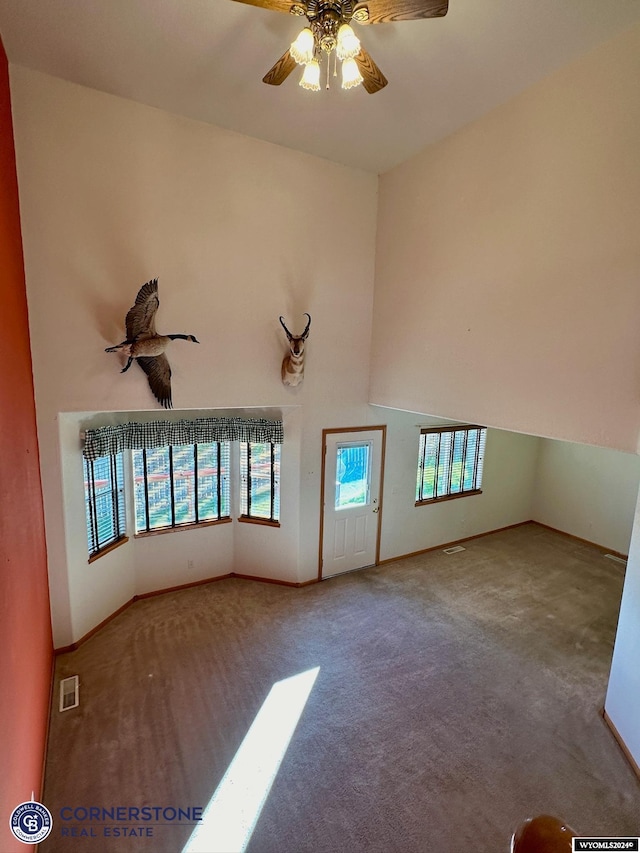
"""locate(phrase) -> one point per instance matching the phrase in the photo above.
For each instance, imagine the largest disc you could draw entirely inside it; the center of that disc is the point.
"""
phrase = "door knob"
(377, 509)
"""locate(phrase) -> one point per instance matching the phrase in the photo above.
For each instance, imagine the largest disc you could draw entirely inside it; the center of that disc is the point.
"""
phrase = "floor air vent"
(455, 550)
(69, 695)
(616, 558)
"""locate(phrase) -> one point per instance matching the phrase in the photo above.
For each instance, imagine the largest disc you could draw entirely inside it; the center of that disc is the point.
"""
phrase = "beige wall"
(508, 486)
(238, 231)
(589, 492)
(508, 262)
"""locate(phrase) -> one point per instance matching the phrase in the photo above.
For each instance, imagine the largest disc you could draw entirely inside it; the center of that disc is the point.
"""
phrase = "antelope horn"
(306, 330)
(289, 335)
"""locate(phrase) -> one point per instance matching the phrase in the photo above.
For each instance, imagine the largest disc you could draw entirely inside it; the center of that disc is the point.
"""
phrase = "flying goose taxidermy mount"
(146, 346)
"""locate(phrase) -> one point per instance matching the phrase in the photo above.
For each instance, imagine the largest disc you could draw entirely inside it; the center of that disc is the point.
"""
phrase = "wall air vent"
(69, 693)
(454, 550)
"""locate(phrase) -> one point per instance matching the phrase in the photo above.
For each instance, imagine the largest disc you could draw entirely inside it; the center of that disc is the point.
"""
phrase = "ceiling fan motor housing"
(326, 18)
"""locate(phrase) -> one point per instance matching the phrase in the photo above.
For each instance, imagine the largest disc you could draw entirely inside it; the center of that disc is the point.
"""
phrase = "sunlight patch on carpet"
(233, 811)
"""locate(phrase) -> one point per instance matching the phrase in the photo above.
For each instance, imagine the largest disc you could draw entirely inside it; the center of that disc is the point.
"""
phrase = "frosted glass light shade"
(348, 43)
(302, 48)
(311, 76)
(351, 75)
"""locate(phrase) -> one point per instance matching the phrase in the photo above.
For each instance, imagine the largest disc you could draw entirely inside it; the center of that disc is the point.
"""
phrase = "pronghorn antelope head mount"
(293, 362)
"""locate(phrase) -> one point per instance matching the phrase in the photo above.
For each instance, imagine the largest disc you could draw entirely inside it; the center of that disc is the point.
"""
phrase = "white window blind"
(260, 481)
(104, 501)
(450, 462)
(181, 485)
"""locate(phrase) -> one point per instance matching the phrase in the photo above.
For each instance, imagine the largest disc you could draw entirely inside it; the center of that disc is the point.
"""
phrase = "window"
(260, 481)
(353, 467)
(104, 503)
(182, 485)
(450, 462)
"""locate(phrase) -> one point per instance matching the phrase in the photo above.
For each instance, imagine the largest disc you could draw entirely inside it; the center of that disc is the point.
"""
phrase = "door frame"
(326, 432)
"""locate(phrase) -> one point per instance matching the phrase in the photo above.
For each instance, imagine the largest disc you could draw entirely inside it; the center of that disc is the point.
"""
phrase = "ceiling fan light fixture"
(348, 44)
(302, 48)
(311, 76)
(351, 75)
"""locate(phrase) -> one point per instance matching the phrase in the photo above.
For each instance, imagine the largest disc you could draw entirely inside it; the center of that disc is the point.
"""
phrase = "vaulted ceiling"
(205, 59)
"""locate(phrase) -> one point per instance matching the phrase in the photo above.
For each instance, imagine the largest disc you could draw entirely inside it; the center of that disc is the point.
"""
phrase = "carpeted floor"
(456, 696)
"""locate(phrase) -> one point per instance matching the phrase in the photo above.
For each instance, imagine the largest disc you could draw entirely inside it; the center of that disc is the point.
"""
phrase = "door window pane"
(352, 474)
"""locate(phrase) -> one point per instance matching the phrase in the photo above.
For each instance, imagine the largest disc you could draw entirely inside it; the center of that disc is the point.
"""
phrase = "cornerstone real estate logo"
(31, 822)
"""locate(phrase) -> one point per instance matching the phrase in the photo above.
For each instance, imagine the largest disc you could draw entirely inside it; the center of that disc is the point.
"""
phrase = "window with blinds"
(450, 462)
(104, 502)
(260, 481)
(180, 486)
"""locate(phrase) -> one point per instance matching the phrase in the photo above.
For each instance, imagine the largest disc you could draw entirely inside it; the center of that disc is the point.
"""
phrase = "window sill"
(144, 533)
(265, 521)
(108, 548)
(448, 497)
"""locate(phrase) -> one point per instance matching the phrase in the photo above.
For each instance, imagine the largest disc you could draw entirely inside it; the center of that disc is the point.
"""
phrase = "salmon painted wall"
(26, 647)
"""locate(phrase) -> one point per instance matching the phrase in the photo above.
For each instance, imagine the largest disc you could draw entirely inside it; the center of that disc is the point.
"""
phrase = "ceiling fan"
(329, 33)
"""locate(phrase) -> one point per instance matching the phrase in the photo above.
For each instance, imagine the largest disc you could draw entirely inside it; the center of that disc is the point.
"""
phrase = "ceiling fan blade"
(273, 5)
(383, 11)
(280, 71)
(373, 79)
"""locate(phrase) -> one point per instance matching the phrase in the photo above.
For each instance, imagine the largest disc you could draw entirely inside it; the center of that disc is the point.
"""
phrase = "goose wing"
(159, 375)
(140, 321)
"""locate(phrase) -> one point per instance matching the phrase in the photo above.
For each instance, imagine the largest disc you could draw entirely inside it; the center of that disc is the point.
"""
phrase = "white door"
(351, 499)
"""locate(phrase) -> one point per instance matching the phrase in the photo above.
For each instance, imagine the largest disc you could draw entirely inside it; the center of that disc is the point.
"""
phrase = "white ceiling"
(205, 59)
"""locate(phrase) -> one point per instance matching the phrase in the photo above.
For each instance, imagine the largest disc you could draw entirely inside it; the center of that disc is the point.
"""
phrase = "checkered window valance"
(108, 440)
